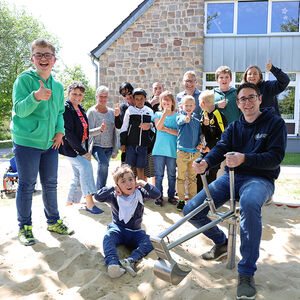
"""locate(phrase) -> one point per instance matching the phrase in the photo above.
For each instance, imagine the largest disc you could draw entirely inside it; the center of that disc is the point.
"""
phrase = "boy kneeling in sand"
(127, 204)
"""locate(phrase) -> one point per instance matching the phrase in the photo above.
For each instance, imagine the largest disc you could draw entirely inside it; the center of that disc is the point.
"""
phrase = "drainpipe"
(96, 70)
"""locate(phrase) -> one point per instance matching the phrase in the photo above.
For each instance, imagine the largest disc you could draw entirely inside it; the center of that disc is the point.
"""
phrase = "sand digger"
(166, 267)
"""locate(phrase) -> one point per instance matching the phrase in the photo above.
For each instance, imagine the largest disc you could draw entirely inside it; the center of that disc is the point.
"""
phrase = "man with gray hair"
(190, 82)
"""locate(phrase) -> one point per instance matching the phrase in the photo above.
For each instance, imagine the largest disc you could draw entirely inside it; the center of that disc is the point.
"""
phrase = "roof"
(118, 31)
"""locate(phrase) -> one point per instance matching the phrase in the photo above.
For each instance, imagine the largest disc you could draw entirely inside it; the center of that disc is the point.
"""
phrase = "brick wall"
(164, 43)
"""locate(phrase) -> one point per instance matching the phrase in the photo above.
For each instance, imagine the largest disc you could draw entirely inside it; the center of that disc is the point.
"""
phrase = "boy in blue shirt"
(189, 132)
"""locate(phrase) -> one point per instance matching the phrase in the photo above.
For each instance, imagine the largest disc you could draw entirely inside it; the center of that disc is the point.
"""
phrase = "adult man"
(190, 82)
(257, 144)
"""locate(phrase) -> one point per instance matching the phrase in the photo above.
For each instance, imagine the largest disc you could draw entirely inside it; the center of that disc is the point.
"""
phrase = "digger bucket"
(169, 271)
(166, 267)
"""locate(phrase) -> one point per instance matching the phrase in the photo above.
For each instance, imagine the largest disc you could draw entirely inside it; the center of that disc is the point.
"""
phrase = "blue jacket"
(73, 132)
(189, 134)
(108, 195)
(271, 88)
(263, 142)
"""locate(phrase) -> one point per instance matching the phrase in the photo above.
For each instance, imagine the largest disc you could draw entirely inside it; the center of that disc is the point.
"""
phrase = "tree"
(17, 31)
(75, 73)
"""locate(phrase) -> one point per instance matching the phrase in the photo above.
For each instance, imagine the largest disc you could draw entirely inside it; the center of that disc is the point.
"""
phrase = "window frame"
(295, 84)
(235, 19)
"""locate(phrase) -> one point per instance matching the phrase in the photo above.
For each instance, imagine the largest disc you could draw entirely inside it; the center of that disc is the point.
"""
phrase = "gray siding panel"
(239, 52)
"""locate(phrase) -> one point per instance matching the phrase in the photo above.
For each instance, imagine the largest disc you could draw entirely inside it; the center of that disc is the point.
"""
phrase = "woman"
(75, 147)
(268, 89)
(105, 145)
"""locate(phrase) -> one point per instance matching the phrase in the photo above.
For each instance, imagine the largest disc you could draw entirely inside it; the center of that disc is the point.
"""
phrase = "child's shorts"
(136, 156)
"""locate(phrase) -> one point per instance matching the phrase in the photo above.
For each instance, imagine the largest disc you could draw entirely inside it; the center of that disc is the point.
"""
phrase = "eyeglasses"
(189, 81)
(41, 55)
(126, 94)
(251, 98)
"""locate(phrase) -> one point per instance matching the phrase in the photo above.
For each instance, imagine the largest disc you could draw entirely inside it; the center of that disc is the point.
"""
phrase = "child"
(213, 123)
(37, 130)
(189, 132)
(127, 203)
(225, 96)
(135, 133)
(164, 151)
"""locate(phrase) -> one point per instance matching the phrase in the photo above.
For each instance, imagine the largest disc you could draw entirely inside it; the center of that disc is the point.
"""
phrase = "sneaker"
(216, 252)
(159, 202)
(180, 205)
(115, 271)
(172, 200)
(25, 236)
(61, 228)
(128, 265)
(246, 287)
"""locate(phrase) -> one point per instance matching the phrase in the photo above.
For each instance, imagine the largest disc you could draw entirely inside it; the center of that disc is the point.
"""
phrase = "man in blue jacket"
(256, 144)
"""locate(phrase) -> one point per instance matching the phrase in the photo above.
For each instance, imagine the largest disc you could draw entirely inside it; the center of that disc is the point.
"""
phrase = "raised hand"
(269, 65)
(103, 126)
(206, 119)
(222, 103)
(42, 93)
(117, 110)
(188, 117)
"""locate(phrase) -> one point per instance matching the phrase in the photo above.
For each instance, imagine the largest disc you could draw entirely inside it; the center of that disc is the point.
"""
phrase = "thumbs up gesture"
(42, 93)
(269, 65)
(117, 110)
(103, 126)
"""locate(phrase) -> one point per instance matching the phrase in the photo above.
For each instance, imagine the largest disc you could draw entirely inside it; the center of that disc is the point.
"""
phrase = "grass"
(291, 159)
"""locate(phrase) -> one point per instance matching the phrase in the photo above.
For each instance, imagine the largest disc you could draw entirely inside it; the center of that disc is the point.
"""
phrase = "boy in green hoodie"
(37, 129)
(225, 95)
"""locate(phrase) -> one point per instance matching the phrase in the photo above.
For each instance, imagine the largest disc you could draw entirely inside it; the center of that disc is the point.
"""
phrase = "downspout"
(96, 69)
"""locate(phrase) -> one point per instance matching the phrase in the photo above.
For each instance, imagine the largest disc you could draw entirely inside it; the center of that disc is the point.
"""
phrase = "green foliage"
(291, 26)
(287, 103)
(75, 73)
(210, 19)
(17, 31)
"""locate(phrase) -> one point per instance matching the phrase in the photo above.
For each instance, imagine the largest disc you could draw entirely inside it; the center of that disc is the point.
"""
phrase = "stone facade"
(163, 43)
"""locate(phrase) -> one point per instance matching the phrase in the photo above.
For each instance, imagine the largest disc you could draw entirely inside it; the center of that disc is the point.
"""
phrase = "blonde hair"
(120, 171)
(208, 97)
(223, 69)
(187, 98)
(42, 43)
(166, 94)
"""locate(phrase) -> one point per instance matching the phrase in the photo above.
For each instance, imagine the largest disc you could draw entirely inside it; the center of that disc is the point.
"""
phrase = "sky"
(80, 25)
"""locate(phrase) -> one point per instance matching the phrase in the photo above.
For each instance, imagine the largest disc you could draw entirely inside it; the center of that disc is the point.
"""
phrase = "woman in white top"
(105, 145)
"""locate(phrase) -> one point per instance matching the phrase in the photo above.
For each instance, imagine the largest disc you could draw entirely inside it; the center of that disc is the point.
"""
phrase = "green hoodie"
(35, 123)
(231, 110)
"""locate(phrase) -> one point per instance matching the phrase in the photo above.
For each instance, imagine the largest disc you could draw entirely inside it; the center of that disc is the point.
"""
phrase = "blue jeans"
(83, 182)
(31, 161)
(160, 162)
(253, 193)
(117, 235)
(102, 155)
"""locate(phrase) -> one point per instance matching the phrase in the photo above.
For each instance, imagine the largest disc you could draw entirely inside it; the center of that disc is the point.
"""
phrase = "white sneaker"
(128, 265)
(115, 271)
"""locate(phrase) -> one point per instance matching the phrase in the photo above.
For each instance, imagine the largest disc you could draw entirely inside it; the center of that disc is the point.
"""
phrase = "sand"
(72, 267)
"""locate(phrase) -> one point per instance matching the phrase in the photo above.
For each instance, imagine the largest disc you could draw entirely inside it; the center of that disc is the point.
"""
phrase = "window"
(220, 17)
(288, 100)
(285, 16)
(252, 17)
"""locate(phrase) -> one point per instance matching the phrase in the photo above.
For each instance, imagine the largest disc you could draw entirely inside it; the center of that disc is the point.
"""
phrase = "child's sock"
(115, 271)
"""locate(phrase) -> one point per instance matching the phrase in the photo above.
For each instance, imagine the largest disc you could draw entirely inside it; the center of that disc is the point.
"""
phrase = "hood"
(218, 91)
(34, 73)
(266, 114)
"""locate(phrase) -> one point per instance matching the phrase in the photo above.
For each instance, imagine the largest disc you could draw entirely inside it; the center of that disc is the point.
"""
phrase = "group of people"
(240, 128)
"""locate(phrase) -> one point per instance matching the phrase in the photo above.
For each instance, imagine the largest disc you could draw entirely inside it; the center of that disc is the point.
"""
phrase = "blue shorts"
(137, 156)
